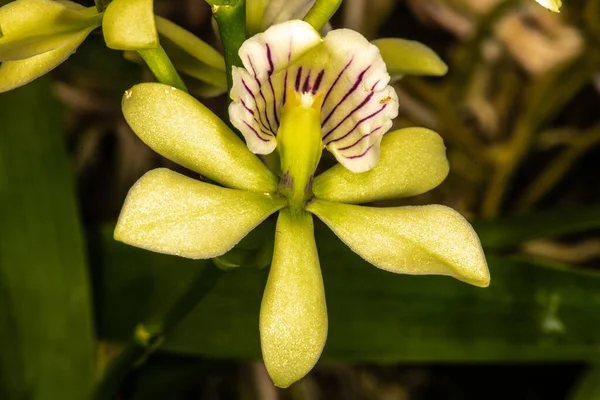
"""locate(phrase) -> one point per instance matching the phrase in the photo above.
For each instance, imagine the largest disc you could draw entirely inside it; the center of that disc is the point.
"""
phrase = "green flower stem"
(231, 19)
(149, 335)
(162, 67)
(321, 12)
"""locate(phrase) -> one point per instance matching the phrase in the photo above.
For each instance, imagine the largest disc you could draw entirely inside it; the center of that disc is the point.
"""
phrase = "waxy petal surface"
(293, 313)
(344, 69)
(32, 27)
(424, 240)
(14, 74)
(180, 128)
(173, 214)
(413, 161)
(129, 25)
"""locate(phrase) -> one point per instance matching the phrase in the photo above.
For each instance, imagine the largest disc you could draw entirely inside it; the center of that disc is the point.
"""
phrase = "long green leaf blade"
(529, 313)
(45, 321)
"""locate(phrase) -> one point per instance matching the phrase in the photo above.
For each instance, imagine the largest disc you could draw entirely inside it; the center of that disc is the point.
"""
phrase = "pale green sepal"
(412, 161)
(293, 313)
(180, 128)
(407, 57)
(129, 25)
(170, 213)
(424, 240)
(255, 13)
(32, 27)
(14, 74)
(552, 5)
(190, 44)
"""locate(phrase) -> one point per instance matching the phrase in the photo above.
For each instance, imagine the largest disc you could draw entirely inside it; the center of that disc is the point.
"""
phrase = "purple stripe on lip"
(352, 89)
(286, 72)
(359, 155)
(337, 79)
(360, 140)
(262, 96)
(255, 103)
(358, 107)
(256, 132)
(251, 111)
(306, 87)
(358, 123)
(298, 78)
(270, 73)
(318, 82)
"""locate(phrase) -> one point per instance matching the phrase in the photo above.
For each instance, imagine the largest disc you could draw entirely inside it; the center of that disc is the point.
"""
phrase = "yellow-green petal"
(32, 27)
(129, 25)
(412, 161)
(14, 74)
(407, 57)
(425, 240)
(552, 5)
(173, 214)
(180, 128)
(293, 314)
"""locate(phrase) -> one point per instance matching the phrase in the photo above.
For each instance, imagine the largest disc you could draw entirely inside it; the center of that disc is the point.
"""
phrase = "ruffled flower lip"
(342, 68)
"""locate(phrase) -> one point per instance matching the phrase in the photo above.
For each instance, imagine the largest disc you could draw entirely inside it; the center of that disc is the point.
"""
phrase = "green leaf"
(293, 313)
(407, 57)
(171, 213)
(513, 230)
(45, 322)
(129, 25)
(180, 128)
(412, 161)
(529, 313)
(32, 27)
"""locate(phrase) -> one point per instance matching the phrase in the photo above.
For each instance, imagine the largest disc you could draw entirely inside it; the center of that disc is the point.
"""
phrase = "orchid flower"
(297, 93)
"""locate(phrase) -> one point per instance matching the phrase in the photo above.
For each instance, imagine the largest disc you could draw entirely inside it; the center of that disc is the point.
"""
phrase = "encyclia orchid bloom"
(298, 94)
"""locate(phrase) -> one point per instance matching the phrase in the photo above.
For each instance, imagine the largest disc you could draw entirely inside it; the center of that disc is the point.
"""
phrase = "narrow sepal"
(170, 213)
(424, 240)
(293, 313)
(129, 25)
(32, 27)
(408, 57)
(412, 161)
(180, 128)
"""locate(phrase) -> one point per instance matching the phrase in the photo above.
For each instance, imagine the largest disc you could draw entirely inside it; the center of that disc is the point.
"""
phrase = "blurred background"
(518, 111)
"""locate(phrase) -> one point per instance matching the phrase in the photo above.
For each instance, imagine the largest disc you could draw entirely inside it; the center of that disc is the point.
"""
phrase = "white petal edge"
(170, 213)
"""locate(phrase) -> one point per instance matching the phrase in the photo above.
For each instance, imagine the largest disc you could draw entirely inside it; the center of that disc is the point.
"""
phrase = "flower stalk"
(161, 66)
(231, 19)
